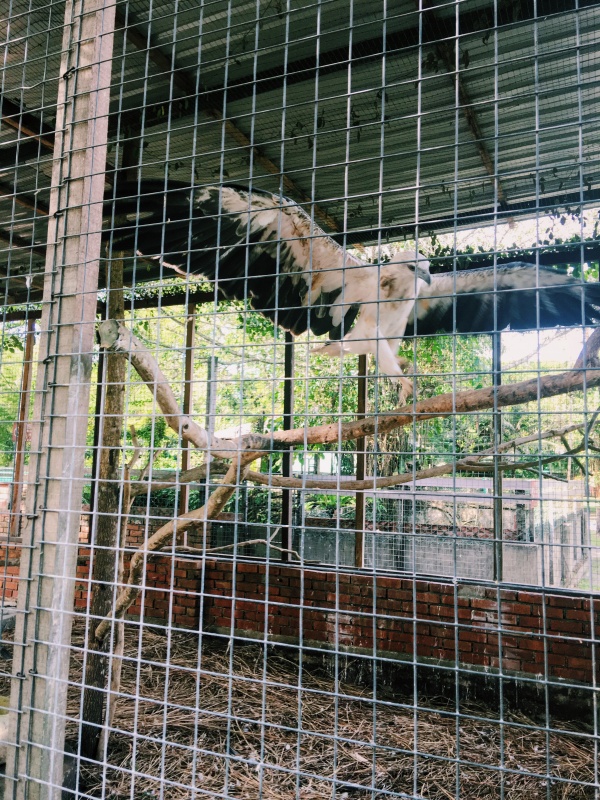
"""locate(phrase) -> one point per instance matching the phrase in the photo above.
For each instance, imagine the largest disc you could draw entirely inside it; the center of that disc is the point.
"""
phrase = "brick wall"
(537, 627)
(541, 633)
(161, 604)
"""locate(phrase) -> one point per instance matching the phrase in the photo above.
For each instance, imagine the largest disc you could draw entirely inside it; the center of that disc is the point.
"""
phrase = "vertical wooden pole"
(359, 520)
(100, 381)
(188, 399)
(287, 457)
(61, 411)
(22, 424)
(104, 539)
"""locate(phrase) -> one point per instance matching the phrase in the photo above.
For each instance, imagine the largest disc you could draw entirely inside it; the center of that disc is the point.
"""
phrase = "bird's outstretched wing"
(255, 245)
(518, 296)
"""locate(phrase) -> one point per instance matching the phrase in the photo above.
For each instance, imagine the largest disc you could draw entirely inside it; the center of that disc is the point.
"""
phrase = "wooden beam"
(11, 192)
(26, 124)
(35, 749)
(188, 399)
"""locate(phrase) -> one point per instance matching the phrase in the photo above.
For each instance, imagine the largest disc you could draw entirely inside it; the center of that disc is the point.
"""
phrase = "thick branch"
(444, 405)
(115, 336)
(468, 463)
(193, 475)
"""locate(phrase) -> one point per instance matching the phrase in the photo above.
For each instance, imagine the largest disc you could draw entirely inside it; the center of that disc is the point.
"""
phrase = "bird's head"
(399, 279)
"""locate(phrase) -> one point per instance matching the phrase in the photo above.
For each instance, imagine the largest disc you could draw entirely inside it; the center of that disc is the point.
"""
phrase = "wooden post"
(21, 439)
(188, 399)
(287, 457)
(359, 519)
(61, 411)
(212, 367)
(100, 381)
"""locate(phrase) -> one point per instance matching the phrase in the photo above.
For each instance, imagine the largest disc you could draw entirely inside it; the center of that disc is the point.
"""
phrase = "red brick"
(442, 611)
(577, 675)
(532, 623)
(574, 613)
(583, 663)
(554, 612)
(399, 594)
(247, 567)
(489, 605)
(530, 597)
(565, 625)
(531, 644)
(518, 608)
(564, 602)
(472, 636)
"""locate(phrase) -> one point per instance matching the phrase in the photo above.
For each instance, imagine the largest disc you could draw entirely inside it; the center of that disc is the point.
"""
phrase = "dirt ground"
(234, 722)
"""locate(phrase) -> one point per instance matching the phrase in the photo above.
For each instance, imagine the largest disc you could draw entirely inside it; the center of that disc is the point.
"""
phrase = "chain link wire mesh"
(234, 567)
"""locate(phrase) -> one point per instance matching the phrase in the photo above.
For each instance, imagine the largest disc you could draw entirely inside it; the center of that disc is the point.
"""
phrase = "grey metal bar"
(359, 519)
(497, 475)
(287, 457)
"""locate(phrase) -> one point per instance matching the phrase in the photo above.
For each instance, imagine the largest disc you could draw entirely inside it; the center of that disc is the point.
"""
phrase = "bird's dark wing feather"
(256, 246)
(518, 296)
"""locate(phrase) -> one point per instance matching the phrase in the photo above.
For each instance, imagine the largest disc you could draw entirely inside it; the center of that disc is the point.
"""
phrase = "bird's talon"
(405, 364)
(407, 390)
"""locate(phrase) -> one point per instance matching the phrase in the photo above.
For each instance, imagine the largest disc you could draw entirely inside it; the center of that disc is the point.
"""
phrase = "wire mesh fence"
(299, 399)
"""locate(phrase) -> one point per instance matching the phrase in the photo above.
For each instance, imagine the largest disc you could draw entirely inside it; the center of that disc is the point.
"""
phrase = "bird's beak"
(423, 274)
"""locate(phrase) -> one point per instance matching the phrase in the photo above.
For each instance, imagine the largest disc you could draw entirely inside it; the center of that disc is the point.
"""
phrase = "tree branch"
(467, 463)
(115, 337)
(209, 510)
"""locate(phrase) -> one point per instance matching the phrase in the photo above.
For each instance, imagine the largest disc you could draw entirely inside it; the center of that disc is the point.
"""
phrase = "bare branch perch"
(164, 534)
(115, 336)
(468, 463)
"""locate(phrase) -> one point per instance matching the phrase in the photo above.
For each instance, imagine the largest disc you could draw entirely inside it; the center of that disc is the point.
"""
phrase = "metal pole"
(497, 475)
(188, 395)
(212, 366)
(17, 487)
(359, 520)
(286, 458)
(56, 476)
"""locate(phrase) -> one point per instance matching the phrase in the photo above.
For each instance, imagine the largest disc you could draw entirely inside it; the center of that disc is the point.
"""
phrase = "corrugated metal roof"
(361, 113)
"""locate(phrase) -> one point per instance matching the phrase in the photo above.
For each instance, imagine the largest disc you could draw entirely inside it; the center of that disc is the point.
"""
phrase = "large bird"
(264, 248)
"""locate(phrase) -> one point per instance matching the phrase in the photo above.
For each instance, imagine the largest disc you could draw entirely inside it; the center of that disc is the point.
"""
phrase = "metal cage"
(232, 566)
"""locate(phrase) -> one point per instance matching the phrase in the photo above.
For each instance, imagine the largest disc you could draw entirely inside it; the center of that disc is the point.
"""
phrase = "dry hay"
(243, 742)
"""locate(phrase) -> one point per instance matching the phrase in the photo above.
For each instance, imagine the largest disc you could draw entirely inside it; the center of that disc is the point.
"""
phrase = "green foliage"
(330, 506)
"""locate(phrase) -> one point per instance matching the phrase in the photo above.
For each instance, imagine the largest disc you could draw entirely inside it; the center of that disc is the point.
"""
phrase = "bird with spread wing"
(264, 248)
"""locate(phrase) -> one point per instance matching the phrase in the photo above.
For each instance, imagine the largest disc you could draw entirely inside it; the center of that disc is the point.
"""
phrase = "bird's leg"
(389, 364)
(407, 390)
(406, 365)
